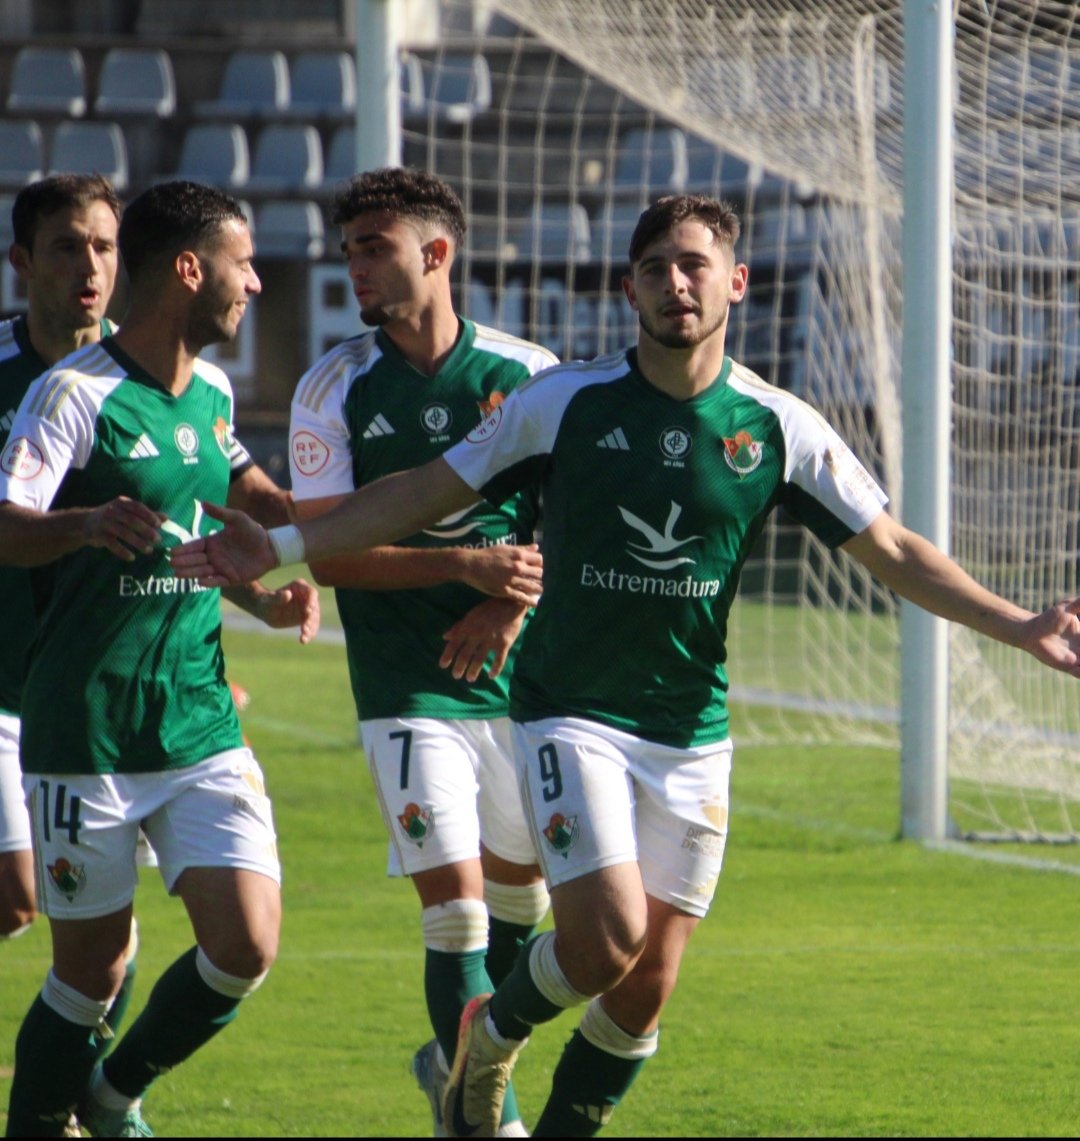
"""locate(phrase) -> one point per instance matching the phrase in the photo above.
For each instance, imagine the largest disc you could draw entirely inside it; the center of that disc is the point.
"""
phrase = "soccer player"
(659, 466)
(126, 715)
(436, 739)
(64, 252)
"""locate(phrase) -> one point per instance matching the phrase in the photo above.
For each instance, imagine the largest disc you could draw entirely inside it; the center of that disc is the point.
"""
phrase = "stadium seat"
(216, 153)
(287, 157)
(651, 161)
(340, 156)
(22, 152)
(459, 87)
(254, 84)
(555, 232)
(90, 148)
(136, 81)
(322, 85)
(289, 229)
(412, 86)
(48, 81)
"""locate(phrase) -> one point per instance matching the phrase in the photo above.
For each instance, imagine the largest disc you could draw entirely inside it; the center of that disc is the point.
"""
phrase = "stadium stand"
(48, 81)
(135, 81)
(88, 147)
(288, 158)
(216, 153)
(289, 229)
(254, 84)
(322, 86)
(22, 152)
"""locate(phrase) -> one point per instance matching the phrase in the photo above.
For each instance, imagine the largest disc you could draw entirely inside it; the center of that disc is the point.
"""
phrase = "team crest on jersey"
(187, 443)
(22, 459)
(561, 833)
(743, 453)
(223, 434)
(488, 406)
(417, 823)
(68, 879)
(675, 443)
(436, 419)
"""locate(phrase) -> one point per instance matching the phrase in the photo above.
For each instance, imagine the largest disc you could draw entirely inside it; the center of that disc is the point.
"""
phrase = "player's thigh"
(236, 916)
(682, 822)
(578, 796)
(14, 819)
(504, 828)
(85, 828)
(425, 776)
(215, 814)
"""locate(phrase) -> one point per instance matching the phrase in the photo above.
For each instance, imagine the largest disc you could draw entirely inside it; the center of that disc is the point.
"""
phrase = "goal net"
(560, 119)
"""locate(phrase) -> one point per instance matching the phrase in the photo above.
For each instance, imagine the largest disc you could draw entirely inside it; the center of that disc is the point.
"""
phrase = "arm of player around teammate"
(257, 495)
(29, 538)
(490, 627)
(501, 570)
(295, 604)
(381, 512)
(914, 568)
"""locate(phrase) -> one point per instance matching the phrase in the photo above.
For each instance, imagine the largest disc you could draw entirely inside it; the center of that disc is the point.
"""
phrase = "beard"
(374, 315)
(672, 338)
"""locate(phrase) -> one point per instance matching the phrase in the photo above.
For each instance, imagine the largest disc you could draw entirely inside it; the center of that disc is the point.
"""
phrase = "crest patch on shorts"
(68, 879)
(417, 823)
(561, 833)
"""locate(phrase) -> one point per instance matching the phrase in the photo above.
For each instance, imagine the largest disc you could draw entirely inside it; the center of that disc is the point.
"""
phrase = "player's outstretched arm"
(916, 570)
(296, 604)
(123, 526)
(389, 509)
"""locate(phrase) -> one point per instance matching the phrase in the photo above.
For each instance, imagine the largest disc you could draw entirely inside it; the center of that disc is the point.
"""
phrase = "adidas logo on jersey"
(144, 449)
(380, 426)
(7, 420)
(615, 440)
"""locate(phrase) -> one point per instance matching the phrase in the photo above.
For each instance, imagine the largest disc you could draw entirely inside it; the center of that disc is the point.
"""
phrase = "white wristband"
(288, 544)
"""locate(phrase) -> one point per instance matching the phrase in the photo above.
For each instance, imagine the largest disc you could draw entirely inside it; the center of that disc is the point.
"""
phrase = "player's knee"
(596, 960)
(244, 954)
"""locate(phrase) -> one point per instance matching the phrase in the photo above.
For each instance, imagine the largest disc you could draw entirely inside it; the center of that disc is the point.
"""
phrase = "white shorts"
(444, 788)
(215, 814)
(14, 820)
(598, 797)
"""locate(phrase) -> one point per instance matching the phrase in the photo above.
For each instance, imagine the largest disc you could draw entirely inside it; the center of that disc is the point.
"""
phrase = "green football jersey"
(363, 411)
(651, 506)
(19, 365)
(127, 673)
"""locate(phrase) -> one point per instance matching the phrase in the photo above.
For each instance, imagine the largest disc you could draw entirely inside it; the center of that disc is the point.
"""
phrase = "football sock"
(190, 1003)
(597, 1067)
(513, 913)
(455, 941)
(535, 991)
(114, 1016)
(55, 1052)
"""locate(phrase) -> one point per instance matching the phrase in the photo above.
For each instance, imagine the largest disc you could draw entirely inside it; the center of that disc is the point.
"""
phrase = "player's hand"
(1054, 636)
(240, 552)
(490, 627)
(124, 527)
(296, 604)
(506, 571)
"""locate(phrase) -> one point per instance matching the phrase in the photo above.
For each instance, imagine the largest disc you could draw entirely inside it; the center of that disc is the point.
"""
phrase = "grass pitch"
(844, 984)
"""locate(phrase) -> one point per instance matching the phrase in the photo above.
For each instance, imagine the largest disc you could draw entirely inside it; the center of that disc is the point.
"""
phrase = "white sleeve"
(52, 432)
(320, 445)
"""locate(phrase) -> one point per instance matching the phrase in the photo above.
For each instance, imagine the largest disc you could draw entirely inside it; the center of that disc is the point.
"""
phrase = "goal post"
(558, 120)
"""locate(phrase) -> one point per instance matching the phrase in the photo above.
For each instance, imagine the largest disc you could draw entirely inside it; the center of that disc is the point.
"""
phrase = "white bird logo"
(659, 544)
(171, 528)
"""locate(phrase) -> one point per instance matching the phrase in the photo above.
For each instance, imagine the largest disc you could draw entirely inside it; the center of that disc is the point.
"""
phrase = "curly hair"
(403, 192)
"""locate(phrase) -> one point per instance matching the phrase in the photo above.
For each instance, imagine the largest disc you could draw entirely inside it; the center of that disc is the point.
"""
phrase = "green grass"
(844, 984)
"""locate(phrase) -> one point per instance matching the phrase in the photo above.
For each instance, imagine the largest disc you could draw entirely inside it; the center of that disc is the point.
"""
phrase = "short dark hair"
(403, 192)
(48, 196)
(170, 218)
(666, 213)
